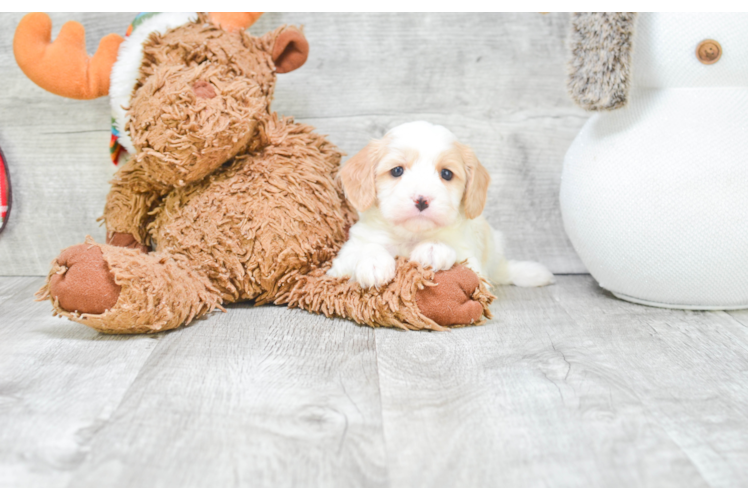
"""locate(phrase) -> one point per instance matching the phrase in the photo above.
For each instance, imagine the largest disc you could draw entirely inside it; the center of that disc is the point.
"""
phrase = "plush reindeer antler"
(63, 67)
(232, 21)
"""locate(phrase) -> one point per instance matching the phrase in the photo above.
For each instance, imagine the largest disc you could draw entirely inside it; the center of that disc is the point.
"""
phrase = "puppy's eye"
(397, 171)
(447, 174)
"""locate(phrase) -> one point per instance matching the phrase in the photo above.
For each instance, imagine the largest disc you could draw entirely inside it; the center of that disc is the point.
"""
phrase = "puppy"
(420, 195)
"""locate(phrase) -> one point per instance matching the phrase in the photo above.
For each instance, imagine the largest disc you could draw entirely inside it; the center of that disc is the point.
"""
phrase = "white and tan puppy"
(420, 195)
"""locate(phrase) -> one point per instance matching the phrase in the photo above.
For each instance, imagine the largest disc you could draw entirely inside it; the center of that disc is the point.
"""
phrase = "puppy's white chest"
(403, 247)
(437, 249)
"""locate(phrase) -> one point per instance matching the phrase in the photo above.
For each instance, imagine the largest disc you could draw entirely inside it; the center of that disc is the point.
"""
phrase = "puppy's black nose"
(422, 204)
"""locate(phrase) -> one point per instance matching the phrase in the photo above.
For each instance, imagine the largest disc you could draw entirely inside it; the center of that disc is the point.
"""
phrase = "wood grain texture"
(496, 80)
(59, 382)
(741, 316)
(255, 397)
(568, 387)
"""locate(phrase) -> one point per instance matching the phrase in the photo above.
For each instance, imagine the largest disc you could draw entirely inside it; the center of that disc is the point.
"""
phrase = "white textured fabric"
(665, 50)
(655, 196)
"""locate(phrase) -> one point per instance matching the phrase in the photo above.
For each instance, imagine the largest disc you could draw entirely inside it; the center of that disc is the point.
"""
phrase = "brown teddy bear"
(238, 203)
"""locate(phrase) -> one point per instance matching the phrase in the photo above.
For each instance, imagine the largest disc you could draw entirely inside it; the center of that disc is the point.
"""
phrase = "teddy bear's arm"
(130, 199)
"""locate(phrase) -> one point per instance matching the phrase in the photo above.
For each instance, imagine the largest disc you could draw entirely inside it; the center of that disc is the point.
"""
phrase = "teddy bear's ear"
(599, 69)
(290, 50)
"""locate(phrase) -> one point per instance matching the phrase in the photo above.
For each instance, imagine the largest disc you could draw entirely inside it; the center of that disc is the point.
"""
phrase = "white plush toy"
(654, 195)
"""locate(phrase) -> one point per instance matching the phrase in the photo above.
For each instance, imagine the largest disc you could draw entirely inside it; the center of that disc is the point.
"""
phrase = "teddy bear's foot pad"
(84, 283)
(450, 302)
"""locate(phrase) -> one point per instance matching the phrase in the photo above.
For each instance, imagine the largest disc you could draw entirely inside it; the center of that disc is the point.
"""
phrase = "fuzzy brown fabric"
(260, 222)
(179, 135)
(239, 203)
(415, 299)
(599, 69)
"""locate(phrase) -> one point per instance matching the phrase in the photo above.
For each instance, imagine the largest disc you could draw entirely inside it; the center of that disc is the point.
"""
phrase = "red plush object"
(6, 198)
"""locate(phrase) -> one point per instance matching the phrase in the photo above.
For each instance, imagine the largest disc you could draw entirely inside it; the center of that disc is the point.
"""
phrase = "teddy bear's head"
(201, 96)
(185, 98)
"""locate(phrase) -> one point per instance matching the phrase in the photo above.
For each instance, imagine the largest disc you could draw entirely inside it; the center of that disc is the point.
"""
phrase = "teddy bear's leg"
(125, 212)
(132, 196)
(122, 290)
(415, 299)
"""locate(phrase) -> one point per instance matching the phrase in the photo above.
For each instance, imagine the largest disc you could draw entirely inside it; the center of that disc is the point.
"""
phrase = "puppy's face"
(419, 176)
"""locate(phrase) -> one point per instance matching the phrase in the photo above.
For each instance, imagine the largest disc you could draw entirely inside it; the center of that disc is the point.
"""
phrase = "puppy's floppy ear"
(476, 189)
(359, 174)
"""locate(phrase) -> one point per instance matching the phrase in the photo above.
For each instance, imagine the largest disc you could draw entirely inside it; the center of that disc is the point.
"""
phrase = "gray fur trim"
(599, 69)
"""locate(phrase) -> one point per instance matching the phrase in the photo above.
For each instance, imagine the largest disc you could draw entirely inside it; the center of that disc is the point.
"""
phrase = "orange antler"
(63, 67)
(231, 21)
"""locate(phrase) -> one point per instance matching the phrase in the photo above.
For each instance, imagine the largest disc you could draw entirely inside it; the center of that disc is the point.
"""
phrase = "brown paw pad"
(125, 240)
(86, 285)
(449, 303)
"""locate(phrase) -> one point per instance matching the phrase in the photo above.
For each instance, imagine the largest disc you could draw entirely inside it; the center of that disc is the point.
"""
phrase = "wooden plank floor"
(567, 386)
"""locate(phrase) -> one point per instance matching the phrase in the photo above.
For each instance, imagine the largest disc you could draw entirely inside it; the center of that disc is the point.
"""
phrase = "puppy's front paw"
(438, 256)
(529, 274)
(341, 268)
(375, 270)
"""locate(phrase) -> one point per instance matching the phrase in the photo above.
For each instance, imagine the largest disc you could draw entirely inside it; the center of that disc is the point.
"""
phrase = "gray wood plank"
(255, 397)
(497, 80)
(59, 382)
(568, 386)
(741, 316)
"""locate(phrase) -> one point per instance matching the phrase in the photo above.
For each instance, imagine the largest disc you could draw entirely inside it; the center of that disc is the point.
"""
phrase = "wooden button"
(709, 51)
